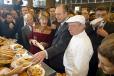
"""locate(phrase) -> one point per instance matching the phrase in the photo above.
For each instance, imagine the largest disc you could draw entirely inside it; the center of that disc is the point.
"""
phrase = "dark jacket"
(58, 47)
(6, 31)
(20, 24)
(25, 33)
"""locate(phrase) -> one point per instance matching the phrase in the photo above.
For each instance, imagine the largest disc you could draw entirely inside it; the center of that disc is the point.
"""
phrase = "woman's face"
(105, 65)
(43, 21)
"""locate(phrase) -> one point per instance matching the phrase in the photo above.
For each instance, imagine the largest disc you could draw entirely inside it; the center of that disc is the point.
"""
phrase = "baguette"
(7, 55)
(5, 61)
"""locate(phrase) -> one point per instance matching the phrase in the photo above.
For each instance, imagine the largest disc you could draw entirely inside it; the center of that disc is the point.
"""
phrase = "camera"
(98, 22)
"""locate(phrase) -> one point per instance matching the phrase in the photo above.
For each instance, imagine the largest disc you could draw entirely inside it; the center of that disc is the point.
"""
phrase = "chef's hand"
(102, 32)
(38, 57)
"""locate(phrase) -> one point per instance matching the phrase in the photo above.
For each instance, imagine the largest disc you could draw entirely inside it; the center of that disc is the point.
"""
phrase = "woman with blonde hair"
(41, 33)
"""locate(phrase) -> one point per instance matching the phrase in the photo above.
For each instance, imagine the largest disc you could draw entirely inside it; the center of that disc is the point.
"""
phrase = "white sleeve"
(46, 54)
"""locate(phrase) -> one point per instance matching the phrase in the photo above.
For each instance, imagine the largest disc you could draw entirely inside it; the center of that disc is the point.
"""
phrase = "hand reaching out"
(38, 57)
(102, 32)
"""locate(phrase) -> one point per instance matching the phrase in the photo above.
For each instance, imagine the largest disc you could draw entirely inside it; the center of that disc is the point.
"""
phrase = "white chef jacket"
(77, 55)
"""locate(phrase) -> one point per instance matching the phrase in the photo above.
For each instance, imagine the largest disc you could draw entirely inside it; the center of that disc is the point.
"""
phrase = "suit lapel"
(61, 28)
(58, 33)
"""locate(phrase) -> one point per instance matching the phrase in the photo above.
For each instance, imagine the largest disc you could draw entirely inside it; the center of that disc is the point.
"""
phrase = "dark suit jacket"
(20, 24)
(6, 31)
(0, 27)
(58, 47)
(25, 33)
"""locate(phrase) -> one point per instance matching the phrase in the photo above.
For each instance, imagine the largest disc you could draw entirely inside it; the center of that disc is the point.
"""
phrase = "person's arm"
(58, 48)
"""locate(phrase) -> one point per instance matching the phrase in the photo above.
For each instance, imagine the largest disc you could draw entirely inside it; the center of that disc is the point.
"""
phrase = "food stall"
(16, 61)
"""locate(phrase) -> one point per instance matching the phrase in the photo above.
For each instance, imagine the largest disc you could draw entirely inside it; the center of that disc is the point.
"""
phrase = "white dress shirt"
(77, 55)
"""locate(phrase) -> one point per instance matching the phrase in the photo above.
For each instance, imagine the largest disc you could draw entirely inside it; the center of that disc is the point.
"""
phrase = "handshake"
(99, 22)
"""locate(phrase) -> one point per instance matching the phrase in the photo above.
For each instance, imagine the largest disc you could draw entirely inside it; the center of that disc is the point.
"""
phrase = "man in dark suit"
(21, 23)
(55, 53)
(26, 30)
(7, 27)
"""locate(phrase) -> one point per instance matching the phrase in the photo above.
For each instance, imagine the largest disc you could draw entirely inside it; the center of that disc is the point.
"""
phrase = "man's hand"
(102, 32)
(39, 57)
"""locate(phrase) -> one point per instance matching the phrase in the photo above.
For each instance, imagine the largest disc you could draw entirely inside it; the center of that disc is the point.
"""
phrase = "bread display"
(18, 58)
(2, 40)
(5, 41)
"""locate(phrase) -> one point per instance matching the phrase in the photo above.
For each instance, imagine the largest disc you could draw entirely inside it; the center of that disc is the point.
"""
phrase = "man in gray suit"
(54, 54)
(26, 30)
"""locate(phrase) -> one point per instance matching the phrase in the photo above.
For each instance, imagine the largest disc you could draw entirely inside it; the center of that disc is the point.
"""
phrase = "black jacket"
(58, 47)
(6, 31)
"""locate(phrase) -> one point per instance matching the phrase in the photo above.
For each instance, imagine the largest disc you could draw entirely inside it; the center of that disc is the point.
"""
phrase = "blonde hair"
(28, 16)
(43, 15)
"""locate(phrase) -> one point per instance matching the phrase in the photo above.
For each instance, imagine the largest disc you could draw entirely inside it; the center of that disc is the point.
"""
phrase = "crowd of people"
(72, 44)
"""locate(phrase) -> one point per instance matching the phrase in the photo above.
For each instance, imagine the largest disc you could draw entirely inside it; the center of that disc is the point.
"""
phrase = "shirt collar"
(80, 34)
(64, 21)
